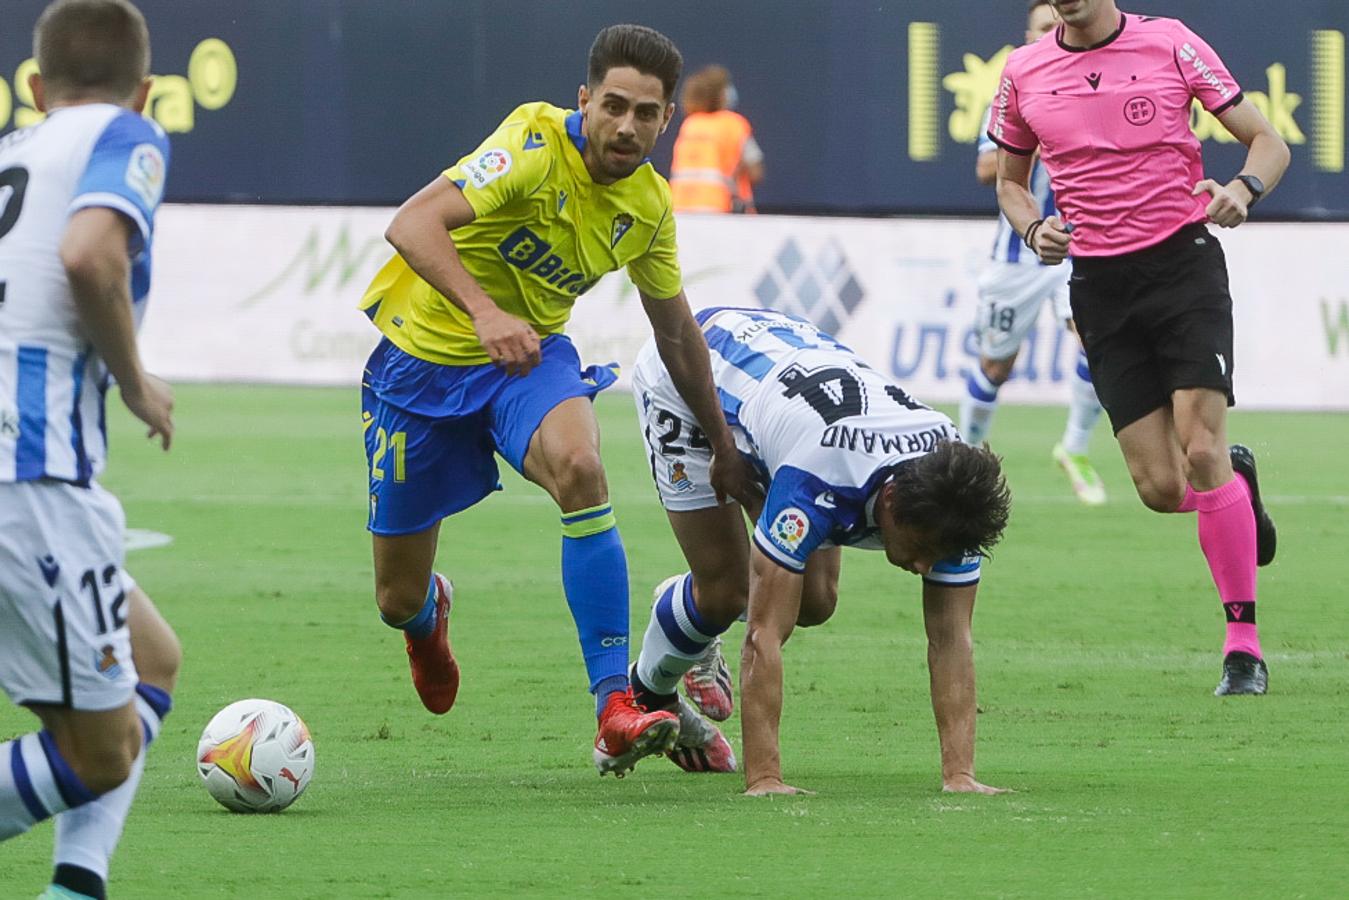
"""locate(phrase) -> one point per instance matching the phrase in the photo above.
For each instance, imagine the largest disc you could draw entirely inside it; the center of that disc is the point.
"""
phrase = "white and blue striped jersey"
(824, 429)
(1007, 244)
(52, 383)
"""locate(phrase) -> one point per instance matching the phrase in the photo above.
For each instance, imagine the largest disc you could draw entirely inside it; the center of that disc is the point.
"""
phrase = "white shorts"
(1010, 295)
(680, 455)
(64, 597)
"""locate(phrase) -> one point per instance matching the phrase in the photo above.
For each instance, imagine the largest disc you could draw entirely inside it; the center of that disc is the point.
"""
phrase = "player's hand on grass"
(151, 401)
(966, 784)
(1226, 209)
(511, 343)
(732, 476)
(767, 787)
(1051, 241)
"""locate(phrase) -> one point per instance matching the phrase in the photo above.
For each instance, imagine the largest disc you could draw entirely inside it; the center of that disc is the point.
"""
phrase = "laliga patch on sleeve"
(488, 167)
(789, 529)
(145, 173)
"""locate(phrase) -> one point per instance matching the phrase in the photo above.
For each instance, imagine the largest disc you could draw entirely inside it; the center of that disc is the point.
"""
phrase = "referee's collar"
(1058, 36)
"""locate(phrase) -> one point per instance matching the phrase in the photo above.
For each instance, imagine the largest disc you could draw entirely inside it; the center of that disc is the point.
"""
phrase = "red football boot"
(435, 674)
(628, 732)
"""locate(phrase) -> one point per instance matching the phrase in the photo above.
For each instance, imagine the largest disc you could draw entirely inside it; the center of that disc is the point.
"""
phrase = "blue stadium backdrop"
(861, 107)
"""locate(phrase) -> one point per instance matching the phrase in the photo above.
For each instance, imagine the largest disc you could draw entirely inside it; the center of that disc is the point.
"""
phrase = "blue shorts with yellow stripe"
(431, 430)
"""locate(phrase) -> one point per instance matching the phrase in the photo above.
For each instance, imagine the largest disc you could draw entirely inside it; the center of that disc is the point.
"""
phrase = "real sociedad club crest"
(622, 222)
(679, 478)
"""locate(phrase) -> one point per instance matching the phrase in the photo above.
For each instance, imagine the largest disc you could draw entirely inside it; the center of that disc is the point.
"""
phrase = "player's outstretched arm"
(774, 602)
(683, 350)
(947, 615)
(94, 254)
(420, 232)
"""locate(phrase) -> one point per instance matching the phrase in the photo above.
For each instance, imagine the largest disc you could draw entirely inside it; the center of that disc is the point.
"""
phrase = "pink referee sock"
(1227, 537)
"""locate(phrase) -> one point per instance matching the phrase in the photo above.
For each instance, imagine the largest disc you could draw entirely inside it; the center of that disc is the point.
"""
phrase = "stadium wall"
(269, 294)
(861, 106)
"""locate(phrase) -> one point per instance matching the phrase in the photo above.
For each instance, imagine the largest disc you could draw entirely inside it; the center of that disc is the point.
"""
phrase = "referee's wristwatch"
(1255, 186)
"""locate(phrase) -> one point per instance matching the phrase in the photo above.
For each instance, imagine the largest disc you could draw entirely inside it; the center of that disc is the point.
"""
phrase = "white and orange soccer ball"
(255, 756)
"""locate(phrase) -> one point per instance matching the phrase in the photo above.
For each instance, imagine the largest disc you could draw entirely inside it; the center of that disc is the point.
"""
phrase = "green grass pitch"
(1097, 634)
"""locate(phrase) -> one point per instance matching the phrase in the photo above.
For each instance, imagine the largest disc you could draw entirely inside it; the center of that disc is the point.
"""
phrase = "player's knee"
(1160, 493)
(817, 606)
(1205, 459)
(997, 370)
(580, 478)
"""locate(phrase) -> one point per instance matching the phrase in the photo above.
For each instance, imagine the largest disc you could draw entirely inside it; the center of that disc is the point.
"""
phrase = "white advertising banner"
(269, 294)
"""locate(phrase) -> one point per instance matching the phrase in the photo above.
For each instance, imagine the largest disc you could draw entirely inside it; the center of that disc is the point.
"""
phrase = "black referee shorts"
(1155, 321)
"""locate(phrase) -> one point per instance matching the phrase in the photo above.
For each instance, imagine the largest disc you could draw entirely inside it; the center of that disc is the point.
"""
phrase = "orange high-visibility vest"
(706, 156)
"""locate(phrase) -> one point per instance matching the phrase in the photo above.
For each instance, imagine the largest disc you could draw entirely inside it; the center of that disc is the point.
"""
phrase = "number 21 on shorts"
(385, 442)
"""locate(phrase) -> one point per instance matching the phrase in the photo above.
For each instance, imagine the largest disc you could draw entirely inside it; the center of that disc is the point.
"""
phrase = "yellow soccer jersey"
(544, 234)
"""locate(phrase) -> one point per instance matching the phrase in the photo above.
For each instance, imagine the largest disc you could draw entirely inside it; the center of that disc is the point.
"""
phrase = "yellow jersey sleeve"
(502, 170)
(656, 272)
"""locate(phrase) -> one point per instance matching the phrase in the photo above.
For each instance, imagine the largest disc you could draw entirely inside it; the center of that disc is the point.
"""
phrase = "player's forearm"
(1267, 158)
(950, 660)
(1017, 204)
(774, 604)
(100, 283)
(429, 250)
(761, 704)
(686, 359)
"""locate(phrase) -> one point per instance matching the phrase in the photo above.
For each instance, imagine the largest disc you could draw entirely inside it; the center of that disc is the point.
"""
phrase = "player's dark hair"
(957, 494)
(92, 49)
(636, 46)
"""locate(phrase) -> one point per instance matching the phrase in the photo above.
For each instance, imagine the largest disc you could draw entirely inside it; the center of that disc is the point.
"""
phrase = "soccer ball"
(255, 756)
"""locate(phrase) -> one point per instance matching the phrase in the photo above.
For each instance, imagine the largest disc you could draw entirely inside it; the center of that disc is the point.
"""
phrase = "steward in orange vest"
(716, 159)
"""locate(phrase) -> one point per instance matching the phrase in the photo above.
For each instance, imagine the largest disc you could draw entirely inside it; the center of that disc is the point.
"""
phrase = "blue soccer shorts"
(431, 430)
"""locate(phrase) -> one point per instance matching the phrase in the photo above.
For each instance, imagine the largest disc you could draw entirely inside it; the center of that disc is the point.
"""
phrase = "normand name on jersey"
(879, 443)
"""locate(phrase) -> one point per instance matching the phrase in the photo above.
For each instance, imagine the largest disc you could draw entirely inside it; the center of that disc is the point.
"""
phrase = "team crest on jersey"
(145, 173)
(789, 529)
(107, 664)
(488, 167)
(679, 478)
(622, 222)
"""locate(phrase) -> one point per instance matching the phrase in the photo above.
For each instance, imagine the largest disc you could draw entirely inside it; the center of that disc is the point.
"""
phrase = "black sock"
(80, 880)
(644, 696)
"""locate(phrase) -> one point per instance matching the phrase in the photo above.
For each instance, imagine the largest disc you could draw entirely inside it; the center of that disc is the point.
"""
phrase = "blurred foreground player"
(848, 459)
(1107, 101)
(1012, 287)
(491, 256)
(78, 195)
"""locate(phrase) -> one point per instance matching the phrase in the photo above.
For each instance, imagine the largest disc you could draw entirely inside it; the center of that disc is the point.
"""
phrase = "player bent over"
(848, 459)
(491, 257)
(1012, 286)
(80, 644)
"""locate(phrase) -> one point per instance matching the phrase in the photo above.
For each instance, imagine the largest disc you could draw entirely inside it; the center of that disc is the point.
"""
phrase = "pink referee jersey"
(1112, 122)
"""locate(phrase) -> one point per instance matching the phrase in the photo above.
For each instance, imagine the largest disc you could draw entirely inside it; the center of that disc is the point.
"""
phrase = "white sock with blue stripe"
(36, 783)
(1084, 409)
(977, 406)
(675, 637)
(87, 835)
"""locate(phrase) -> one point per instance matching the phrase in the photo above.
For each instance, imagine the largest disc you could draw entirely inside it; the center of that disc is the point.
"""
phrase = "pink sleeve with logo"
(1006, 126)
(1210, 81)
